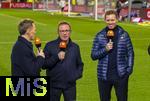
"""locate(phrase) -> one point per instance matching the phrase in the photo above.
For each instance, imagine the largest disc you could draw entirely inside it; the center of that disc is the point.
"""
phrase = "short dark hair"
(109, 12)
(63, 23)
(24, 25)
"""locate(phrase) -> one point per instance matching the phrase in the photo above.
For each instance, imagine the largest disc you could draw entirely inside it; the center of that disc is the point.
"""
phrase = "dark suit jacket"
(63, 73)
(23, 60)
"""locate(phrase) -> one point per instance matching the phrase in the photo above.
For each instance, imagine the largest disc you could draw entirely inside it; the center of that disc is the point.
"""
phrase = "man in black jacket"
(64, 65)
(23, 60)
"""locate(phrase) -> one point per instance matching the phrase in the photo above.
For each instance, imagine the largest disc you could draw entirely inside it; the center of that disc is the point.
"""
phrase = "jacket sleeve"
(50, 60)
(80, 64)
(130, 55)
(30, 64)
(98, 51)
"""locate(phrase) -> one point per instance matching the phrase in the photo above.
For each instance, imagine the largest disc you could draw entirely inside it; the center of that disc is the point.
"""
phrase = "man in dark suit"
(23, 60)
(64, 64)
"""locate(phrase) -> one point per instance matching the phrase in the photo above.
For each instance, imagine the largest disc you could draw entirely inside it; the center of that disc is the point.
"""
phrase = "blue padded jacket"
(125, 53)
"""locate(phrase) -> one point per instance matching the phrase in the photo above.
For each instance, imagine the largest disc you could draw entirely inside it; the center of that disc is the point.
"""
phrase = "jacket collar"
(117, 29)
(69, 43)
(25, 41)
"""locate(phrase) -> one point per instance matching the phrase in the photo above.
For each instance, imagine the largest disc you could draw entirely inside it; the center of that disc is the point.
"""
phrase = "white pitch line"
(3, 43)
(74, 41)
(17, 18)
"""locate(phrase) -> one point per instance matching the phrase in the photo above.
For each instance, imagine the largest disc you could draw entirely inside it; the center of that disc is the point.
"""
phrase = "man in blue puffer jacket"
(113, 49)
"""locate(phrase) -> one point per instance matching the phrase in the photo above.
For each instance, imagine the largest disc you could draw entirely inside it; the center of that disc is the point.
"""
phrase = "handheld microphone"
(37, 43)
(110, 35)
(62, 45)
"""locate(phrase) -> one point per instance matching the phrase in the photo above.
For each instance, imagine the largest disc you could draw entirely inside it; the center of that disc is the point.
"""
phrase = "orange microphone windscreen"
(37, 42)
(110, 33)
(62, 45)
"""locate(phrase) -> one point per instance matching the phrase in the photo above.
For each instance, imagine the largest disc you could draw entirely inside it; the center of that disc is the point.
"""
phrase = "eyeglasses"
(62, 31)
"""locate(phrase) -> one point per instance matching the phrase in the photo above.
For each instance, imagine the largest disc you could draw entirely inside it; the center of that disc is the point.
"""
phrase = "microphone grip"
(38, 49)
(63, 50)
(110, 40)
(61, 61)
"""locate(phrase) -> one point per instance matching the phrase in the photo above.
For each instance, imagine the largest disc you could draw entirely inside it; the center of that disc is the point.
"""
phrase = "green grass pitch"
(84, 30)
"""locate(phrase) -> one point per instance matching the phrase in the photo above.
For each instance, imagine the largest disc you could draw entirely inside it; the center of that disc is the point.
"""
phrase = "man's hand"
(40, 53)
(61, 55)
(109, 46)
